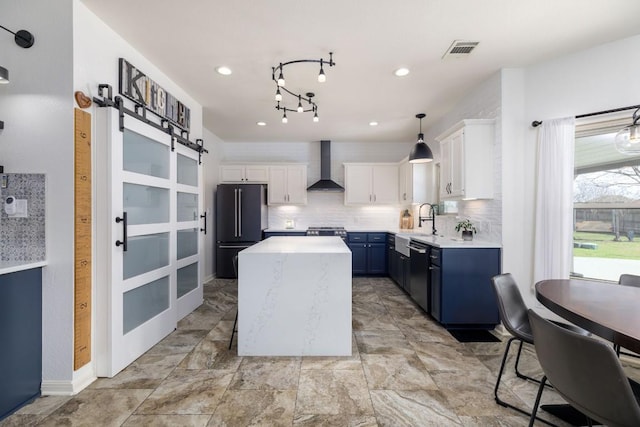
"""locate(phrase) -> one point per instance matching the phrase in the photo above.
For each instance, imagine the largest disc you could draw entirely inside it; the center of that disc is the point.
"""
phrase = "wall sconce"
(24, 39)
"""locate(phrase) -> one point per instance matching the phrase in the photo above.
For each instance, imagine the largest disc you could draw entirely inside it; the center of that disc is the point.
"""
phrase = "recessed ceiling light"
(225, 71)
(401, 72)
(261, 124)
(373, 123)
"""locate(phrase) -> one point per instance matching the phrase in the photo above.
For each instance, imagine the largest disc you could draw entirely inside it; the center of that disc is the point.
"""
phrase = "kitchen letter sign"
(139, 88)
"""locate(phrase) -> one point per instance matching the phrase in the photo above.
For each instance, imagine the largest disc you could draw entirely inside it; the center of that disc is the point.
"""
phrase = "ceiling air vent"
(460, 49)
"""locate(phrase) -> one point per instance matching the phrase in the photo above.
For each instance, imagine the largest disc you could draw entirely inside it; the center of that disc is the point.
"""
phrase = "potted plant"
(467, 228)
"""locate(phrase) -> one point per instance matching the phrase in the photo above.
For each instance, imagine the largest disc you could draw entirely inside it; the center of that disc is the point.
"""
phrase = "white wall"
(210, 162)
(97, 49)
(484, 102)
(596, 79)
(37, 108)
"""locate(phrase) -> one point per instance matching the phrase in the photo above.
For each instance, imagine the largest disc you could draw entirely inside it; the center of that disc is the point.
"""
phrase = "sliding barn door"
(153, 260)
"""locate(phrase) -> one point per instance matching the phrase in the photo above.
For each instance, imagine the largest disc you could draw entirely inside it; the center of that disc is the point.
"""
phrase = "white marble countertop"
(7, 267)
(285, 230)
(451, 242)
(299, 244)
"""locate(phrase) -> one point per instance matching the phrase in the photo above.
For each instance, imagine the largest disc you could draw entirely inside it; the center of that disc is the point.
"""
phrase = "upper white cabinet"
(287, 185)
(371, 183)
(466, 164)
(244, 173)
(416, 182)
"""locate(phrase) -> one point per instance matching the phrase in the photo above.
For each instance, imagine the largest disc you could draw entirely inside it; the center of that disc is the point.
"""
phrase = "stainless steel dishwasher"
(419, 288)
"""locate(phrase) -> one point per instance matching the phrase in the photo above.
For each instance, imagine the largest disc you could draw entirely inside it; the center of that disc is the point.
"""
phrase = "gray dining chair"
(586, 372)
(235, 322)
(513, 315)
(627, 280)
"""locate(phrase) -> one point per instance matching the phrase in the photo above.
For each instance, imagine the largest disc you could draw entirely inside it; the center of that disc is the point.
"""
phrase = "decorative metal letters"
(139, 88)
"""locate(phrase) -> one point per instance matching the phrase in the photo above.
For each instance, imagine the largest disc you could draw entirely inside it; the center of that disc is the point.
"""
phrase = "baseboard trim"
(66, 388)
(208, 278)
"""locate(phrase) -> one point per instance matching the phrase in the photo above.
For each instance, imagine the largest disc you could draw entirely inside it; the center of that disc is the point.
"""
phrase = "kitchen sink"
(402, 244)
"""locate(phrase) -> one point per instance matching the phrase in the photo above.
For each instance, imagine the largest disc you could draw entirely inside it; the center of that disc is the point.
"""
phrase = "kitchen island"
(294, 297)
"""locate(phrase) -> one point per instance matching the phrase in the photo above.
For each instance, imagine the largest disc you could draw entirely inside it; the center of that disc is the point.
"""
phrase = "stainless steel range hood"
(325, 183)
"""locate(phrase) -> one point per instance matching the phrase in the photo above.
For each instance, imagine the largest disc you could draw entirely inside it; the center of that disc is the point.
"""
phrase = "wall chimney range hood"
(325, 183)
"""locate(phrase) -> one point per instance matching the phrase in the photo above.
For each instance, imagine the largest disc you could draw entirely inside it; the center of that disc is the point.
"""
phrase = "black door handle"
(205, 222)
(123, 220)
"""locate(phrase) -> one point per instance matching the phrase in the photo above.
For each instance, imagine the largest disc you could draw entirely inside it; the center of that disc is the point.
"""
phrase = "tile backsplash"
(23, 239)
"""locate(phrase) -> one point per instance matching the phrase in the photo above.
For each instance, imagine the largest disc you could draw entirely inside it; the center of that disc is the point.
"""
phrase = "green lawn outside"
(607, 247)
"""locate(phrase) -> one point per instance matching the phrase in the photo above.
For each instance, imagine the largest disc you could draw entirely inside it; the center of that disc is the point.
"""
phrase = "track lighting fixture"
(421, 153)
(280, 82)
(300, 109)
(628, 138)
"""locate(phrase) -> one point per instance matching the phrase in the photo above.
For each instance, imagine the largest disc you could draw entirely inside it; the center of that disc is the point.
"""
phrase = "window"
(606, 205)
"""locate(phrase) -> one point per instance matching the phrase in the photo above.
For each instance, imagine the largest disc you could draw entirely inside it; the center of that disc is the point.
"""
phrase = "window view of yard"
(606, 239)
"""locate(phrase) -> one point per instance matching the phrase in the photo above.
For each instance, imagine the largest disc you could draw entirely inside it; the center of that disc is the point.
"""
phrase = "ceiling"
(370, 39)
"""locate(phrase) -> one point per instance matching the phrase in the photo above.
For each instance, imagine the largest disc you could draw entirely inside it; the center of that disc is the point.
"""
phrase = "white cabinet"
(371, 183)
(287, 185)
(416, 182)
(244, 173)
(466, 164)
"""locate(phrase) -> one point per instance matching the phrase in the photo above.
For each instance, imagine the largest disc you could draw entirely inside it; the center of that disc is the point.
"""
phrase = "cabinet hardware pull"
(124, 240)
(240, 213)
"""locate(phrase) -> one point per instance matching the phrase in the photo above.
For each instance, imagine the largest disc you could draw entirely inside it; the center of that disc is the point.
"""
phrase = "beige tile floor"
(405, 370)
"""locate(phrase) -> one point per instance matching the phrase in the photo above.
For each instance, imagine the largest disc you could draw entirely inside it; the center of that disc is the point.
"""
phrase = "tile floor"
(405, 370)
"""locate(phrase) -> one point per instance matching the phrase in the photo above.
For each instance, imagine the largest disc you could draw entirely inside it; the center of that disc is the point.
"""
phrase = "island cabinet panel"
(461, 294)
(20, 338)
(369, 251)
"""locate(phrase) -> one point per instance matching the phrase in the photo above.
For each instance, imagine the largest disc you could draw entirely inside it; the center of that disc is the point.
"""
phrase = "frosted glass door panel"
(187, 279)
(143, 303)
(187, 207)
(145, 204)
(145, 253)
(187, 242)
(187, 171)
(144, 155)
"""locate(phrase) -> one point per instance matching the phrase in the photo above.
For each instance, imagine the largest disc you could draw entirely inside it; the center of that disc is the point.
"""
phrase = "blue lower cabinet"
(369, 253)
(377, 258)
(461, 294)
(359, 254)
(20, 338)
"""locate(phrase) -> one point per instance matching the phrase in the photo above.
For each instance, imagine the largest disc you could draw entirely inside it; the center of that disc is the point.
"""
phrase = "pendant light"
(4, 75)
(420, 153)
(628, 138)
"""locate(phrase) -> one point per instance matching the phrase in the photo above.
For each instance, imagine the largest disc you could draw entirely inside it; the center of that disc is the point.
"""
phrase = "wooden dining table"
(606, 309)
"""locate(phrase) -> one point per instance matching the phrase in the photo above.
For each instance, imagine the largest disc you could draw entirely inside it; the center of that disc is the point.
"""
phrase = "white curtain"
(553, 245)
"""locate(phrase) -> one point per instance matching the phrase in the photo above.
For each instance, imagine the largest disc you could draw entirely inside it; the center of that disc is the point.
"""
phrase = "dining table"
(606, 309)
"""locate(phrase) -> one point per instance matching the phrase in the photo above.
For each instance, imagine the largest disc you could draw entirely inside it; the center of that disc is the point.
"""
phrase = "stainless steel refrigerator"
(241, 215)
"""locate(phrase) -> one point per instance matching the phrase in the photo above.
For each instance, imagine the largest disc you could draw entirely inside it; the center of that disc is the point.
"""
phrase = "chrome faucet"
(433, 209)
